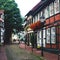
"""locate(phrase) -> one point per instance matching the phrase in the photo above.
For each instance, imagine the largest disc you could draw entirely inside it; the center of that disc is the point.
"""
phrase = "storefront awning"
(35, 25)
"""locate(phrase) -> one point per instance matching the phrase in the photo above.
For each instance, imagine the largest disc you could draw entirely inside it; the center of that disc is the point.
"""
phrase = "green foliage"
(12, 17)
(12, 13)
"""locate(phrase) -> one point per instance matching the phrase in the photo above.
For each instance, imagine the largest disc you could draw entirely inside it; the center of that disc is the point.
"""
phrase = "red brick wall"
(52, 20)
(58, 35)
(47, 45)
(57, 17)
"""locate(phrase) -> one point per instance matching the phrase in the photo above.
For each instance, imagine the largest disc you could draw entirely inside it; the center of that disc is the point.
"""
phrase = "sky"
(26, 5)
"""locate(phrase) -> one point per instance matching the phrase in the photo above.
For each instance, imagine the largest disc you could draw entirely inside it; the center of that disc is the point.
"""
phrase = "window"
(51, 8)
(48, 35)
(47, 12)
(36, 18)
(42, 14)
(56, 6)
(38, 39)
(33, 19)
(53, 35)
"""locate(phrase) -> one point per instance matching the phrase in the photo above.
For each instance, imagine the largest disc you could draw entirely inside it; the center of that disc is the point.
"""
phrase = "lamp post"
(42, 19)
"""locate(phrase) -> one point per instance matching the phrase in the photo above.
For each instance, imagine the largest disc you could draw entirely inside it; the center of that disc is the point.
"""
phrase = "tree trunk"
(7, 36)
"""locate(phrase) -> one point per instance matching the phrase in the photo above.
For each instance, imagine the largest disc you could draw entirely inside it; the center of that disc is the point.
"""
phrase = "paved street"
(2, 53)
(13, 52)
(47, 55)
(19, 52)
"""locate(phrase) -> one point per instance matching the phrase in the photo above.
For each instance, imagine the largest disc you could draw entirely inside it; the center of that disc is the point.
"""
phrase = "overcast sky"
(26, 5)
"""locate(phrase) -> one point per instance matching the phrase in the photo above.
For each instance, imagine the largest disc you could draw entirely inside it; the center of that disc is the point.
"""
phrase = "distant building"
(1, 26)
(50, 11)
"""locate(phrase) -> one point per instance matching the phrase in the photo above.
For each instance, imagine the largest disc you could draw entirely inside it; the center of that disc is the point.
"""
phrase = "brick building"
(49, 31)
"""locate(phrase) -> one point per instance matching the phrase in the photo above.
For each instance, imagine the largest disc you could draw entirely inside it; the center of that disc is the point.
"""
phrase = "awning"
(35, 25)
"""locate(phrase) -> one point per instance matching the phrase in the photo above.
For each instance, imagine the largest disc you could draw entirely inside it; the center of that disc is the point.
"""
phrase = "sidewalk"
(2, 53)
(47, 56)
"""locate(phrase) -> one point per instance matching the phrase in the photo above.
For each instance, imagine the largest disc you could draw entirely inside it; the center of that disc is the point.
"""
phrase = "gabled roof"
(29, 13)
(41, 5)
(35, 7)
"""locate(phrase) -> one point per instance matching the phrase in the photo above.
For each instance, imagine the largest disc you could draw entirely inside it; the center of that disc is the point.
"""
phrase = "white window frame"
(38, 16)
(47, 12)
(53, 35)
(33, 19)
(51, 9)
(48, 35)
(56, 6)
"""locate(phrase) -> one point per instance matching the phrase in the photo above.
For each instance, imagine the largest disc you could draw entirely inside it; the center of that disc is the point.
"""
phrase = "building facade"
(50, 11)
(1, 26)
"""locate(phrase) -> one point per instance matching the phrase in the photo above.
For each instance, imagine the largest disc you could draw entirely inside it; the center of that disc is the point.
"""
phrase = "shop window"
(51, 9)
(44, 36)
(38, 39)
(53, 35)
(48, 35)
(56, 6)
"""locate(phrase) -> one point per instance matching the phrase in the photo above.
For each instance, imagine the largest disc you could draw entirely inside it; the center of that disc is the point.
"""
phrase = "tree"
(12, 19)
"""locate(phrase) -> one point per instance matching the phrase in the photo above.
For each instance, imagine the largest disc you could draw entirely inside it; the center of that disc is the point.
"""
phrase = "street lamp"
(42, 19)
